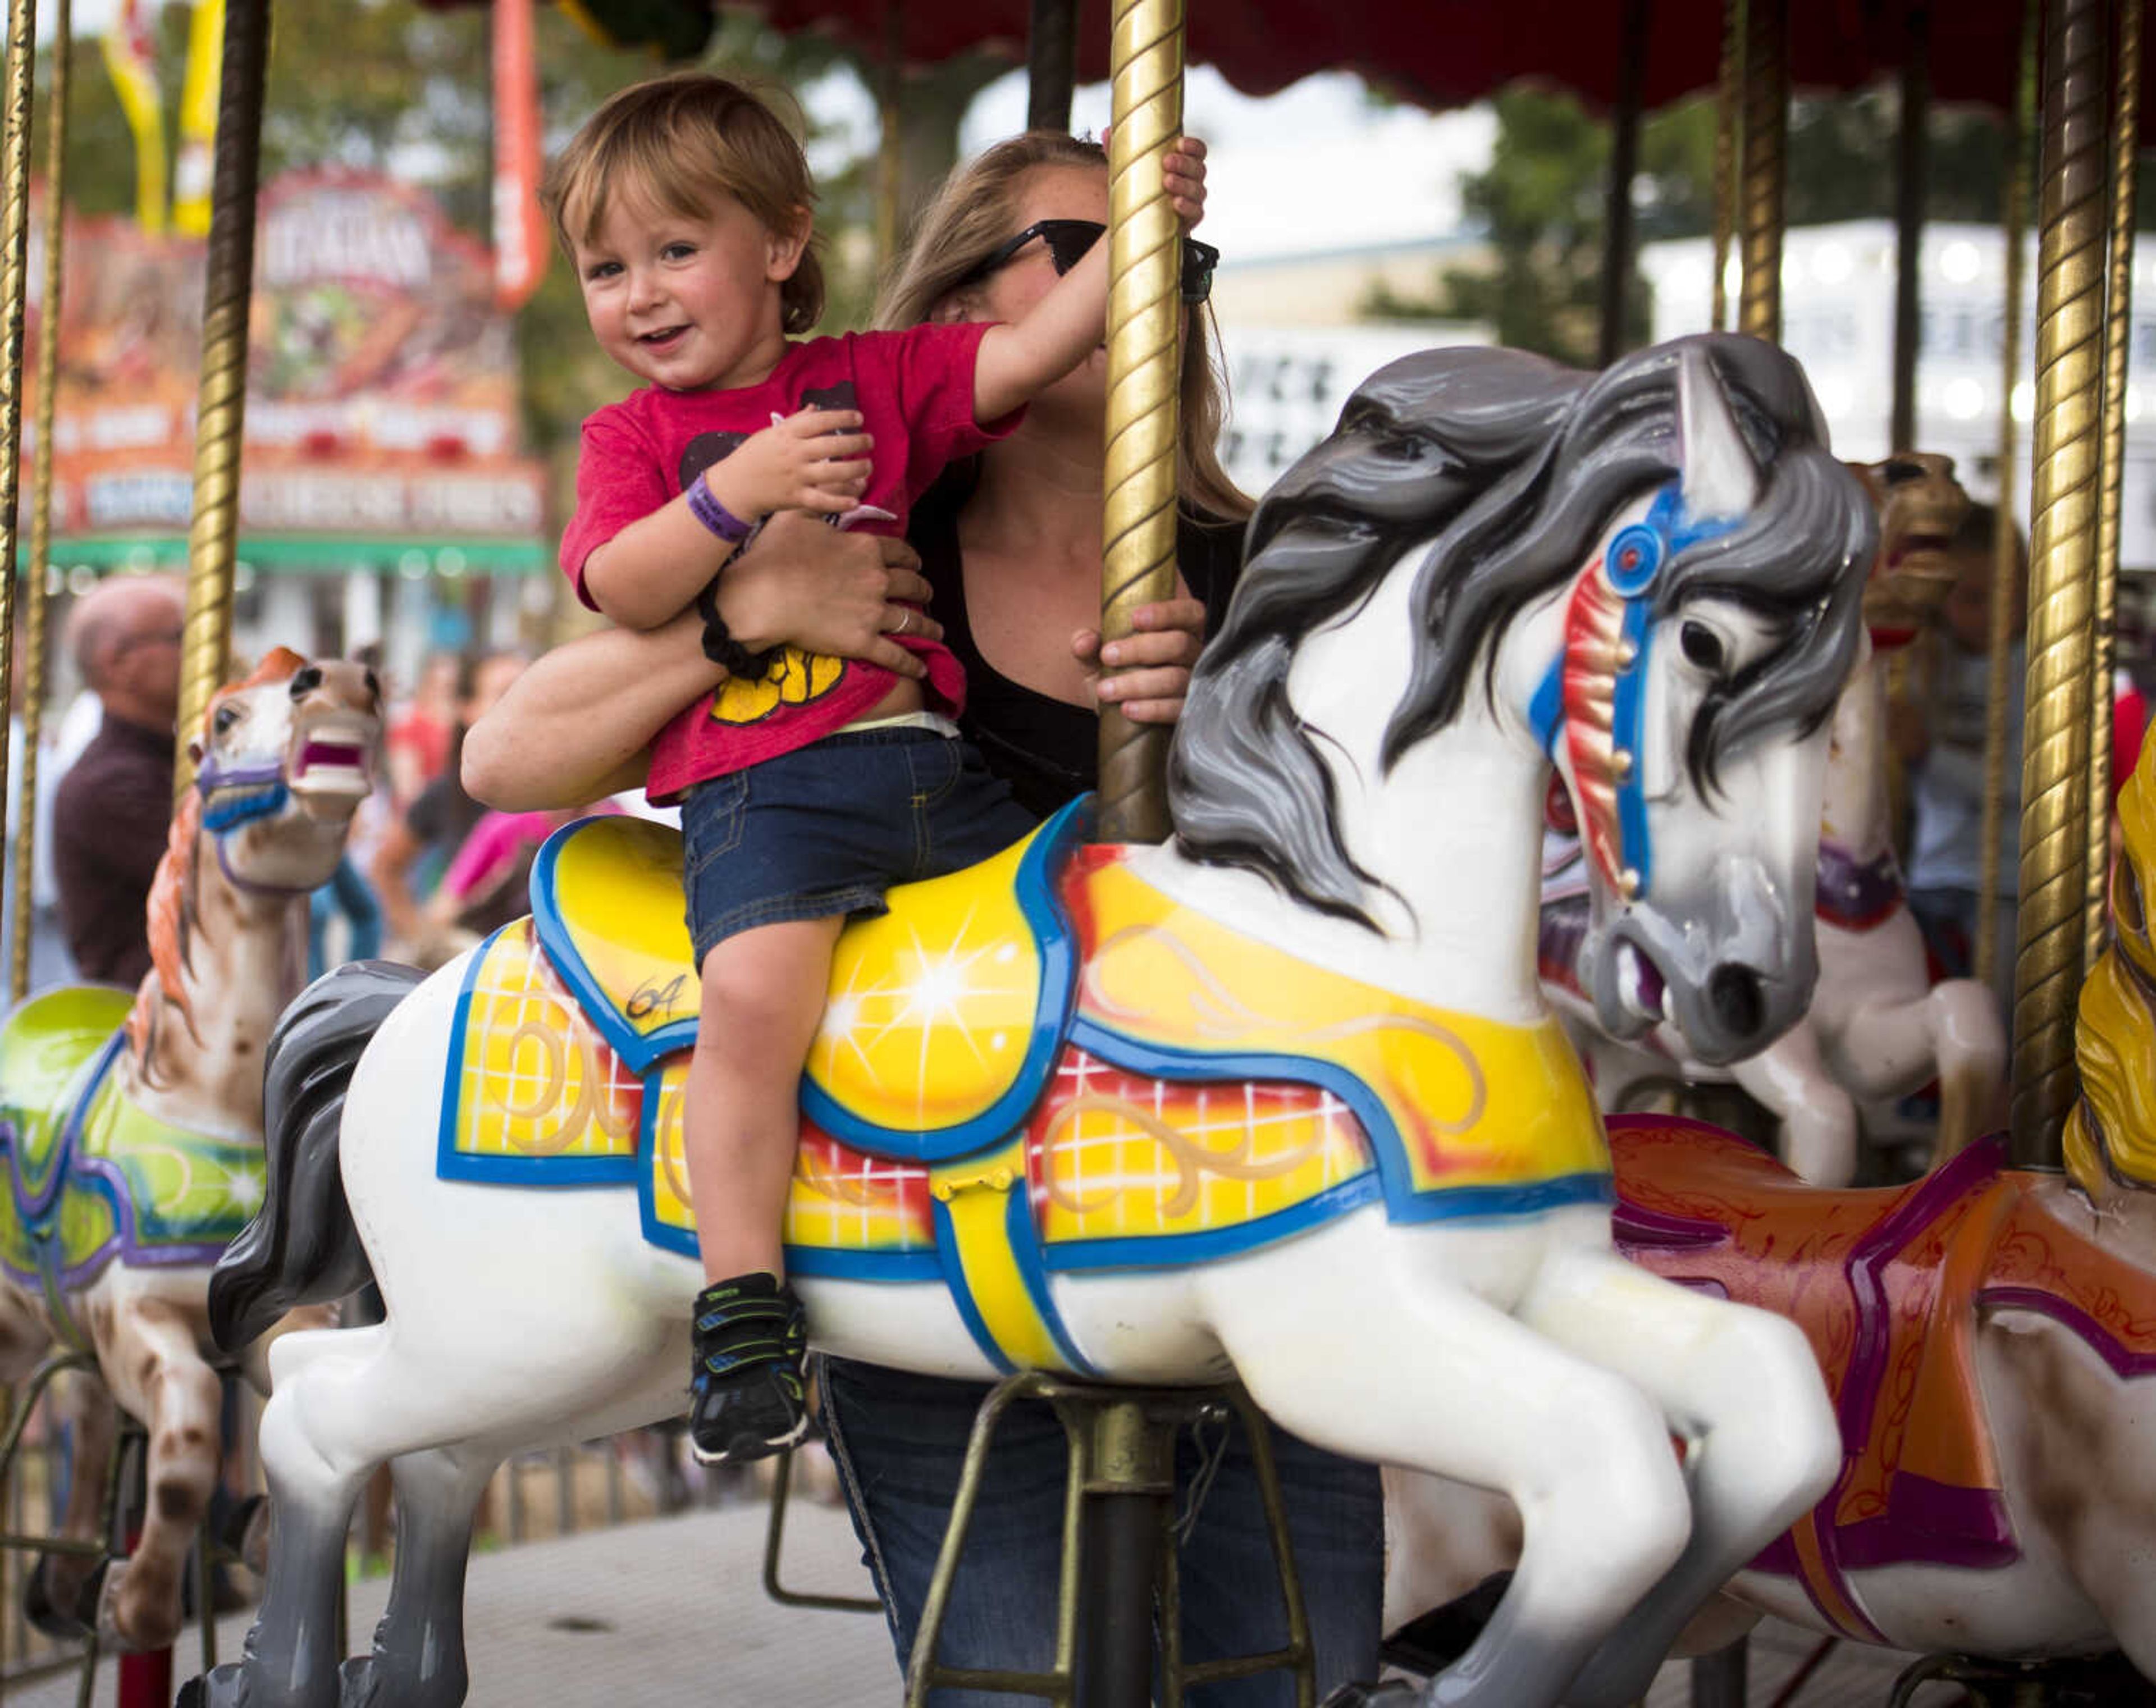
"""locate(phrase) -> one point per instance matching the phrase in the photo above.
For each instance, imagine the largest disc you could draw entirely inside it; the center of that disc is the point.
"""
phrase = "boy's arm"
(651, 571)
(1018, 361)
(1023, 357)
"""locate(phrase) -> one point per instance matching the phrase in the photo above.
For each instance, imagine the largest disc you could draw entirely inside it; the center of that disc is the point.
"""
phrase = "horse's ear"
(1719, 479)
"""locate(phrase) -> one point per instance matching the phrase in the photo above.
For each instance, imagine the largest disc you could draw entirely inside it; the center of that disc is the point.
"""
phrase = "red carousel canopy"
(1445, 52)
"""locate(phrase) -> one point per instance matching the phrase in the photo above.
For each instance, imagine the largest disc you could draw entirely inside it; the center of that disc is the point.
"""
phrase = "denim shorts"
(826, 828)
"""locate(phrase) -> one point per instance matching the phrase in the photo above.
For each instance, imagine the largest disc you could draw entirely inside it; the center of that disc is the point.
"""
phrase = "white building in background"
(1838, 320)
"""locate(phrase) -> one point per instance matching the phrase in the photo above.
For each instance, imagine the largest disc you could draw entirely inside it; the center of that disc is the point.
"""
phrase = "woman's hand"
(1150, 664)
(1183, 176)
(806, 584)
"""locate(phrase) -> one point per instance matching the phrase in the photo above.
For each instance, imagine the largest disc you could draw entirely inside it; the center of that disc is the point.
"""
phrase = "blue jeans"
(827, 829)
(900, 1440)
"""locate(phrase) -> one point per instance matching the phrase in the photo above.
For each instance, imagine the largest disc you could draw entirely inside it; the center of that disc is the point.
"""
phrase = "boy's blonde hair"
(973, 214)
(682, 141)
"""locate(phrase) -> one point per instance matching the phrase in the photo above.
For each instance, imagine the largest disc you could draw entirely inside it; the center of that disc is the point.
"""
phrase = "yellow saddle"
(944, 1014)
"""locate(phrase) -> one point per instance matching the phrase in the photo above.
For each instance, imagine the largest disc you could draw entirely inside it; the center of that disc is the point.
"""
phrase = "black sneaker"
(746, 1400)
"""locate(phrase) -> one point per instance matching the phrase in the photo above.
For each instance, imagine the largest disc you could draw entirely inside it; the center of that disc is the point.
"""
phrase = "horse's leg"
(418, 1658)
(60, 1596)
(146, 1349)
(1740, 1385)
(314, 1474)
(1453, 1385)
(1818, 1118)
(1970, 1045)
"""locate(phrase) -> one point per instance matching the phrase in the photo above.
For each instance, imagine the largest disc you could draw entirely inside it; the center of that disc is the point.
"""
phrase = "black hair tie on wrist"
(721, 647)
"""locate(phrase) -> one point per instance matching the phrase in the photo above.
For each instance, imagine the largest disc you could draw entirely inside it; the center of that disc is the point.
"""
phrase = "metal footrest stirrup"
(1119, 1543)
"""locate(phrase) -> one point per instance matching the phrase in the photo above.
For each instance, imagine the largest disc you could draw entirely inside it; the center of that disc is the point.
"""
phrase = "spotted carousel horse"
(1280, 1099)
(1989, 1337)
(132, 1121)
(1878, 1028)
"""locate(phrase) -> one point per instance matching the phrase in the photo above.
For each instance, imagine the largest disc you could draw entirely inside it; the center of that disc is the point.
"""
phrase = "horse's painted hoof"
(223, 1687)
(357, 1687)
(192, 1695)
(1395, 1694)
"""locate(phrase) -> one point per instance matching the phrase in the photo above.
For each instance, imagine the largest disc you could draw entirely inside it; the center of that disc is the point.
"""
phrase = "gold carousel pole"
(2006, 565)
(1145, 366)
(2118, 332)
(2055, 770)
(15, 292)
(41, 504)
(1728, 105)
(213, 537)
(1765, 133)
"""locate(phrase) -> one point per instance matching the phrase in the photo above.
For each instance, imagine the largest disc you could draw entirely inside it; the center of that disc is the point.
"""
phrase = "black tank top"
(1045, 748)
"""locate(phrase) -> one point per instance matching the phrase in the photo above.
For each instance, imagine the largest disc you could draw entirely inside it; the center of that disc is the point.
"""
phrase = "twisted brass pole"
(14, 294)
(41, 505)
(2055, 769)
(1726, 105)
(1145, 367)
(1766, 136)
(2007, 568)
(213, 536)
(2118, 333)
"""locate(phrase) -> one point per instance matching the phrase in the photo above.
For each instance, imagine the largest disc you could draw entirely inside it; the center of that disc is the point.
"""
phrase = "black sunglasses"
(1068, 240)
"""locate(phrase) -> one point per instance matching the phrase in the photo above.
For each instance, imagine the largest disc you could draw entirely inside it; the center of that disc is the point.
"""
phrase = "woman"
(1009, 547)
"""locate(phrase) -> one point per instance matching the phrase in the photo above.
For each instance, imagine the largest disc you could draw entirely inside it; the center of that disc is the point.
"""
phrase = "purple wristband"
(704, 506)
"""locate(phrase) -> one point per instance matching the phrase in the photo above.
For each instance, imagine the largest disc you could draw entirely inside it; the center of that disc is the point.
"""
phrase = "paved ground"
(671, 1612)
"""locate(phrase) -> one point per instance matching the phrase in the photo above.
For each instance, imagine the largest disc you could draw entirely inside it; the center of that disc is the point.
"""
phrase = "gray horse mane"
(1505, 468)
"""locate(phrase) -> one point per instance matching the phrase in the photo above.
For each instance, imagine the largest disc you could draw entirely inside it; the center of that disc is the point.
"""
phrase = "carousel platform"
(670, 1611)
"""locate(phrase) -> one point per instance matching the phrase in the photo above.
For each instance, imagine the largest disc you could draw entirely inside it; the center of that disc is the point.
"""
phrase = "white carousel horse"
(1989, 1337)
(1279, 1099)
(131, 1124)
(1878, 1028)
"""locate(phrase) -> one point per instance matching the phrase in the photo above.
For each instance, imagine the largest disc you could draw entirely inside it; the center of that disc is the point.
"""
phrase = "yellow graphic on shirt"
(795, 678)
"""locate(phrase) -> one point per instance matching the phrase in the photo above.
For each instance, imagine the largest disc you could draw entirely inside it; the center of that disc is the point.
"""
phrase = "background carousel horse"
(131, 1124)
(1878, 1028)
(1279, 1099)
(1989, 1338)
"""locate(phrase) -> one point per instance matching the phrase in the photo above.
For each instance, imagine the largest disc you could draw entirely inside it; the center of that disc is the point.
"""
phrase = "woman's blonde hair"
(974, 212)
(682, 141)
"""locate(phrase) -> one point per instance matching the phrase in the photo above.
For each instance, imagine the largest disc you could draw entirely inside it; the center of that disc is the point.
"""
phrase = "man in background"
(114, 809)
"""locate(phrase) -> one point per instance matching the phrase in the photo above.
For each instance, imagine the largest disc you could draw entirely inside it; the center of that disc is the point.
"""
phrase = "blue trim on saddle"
(451, 1163)
(638, 1050)
(1403, 1202)
(1034, 887)
(1173, 1251)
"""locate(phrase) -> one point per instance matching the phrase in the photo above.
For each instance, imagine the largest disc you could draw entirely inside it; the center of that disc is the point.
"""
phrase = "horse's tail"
(301, 1247)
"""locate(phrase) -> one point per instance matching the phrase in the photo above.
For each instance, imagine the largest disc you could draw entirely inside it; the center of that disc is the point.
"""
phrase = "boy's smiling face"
(687, 302)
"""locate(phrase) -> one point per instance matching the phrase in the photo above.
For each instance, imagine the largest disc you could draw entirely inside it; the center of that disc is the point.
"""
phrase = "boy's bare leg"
(763, 993)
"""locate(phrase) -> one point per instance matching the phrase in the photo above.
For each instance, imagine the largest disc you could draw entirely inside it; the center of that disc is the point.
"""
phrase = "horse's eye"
(227, 716)
(1702, 647)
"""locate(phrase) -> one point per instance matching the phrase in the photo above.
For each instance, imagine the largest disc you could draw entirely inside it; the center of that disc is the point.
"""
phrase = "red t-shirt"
(915, 391)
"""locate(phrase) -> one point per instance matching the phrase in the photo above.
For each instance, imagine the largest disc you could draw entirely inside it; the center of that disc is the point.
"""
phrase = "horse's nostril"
(305, 681)
(1734, 994)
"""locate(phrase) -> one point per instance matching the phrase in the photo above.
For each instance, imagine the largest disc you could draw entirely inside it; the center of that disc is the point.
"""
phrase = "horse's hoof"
(356, 1684)
(223, 1687)
(1395, 1694)
(64, 1621)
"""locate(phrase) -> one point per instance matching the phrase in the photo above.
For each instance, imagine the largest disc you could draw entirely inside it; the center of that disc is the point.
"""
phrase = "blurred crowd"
(428, 872)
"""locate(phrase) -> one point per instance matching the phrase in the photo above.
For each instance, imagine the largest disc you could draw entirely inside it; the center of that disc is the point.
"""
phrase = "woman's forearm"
(576, 724)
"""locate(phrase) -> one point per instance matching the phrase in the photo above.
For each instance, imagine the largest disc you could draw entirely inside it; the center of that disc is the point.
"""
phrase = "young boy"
(809, 784)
